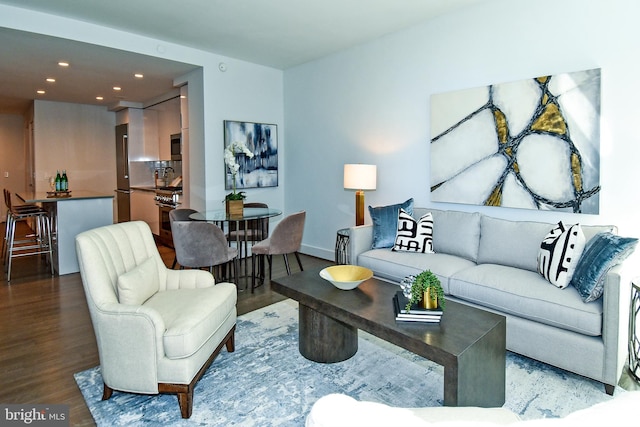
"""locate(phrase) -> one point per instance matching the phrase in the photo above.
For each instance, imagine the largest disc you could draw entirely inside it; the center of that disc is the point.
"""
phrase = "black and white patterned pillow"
(559, 253)
(412, 235)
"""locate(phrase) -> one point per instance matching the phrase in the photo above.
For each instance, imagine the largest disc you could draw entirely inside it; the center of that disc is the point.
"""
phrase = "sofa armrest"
(189, 279)
(360, 240)
(127, 333)
(615, 322)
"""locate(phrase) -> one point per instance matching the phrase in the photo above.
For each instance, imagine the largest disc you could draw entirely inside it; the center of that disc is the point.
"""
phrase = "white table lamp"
(359, 177)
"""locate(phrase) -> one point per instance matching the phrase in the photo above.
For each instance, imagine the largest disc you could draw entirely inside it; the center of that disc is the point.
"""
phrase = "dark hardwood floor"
(46, 334)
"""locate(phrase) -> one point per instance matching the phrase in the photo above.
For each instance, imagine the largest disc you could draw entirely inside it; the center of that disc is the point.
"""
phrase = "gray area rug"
(266, 382)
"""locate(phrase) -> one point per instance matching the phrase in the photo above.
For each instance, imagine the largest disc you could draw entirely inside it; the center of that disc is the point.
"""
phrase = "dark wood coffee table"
(468, 342)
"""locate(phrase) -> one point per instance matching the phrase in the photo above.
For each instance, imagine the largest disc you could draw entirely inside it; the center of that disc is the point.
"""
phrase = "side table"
(342, 246)
(634, 331)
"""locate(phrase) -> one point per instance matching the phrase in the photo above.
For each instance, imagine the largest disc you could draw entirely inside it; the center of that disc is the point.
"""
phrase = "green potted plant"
(426, 288)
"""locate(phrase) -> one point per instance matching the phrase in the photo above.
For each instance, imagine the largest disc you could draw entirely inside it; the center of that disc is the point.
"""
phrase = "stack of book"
(416, 313)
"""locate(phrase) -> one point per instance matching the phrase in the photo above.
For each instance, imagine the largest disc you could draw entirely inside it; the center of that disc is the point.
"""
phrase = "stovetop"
(171, 189)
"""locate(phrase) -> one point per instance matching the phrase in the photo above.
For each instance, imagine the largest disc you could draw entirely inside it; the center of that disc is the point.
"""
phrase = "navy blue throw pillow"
(604, 251)
(385, 223)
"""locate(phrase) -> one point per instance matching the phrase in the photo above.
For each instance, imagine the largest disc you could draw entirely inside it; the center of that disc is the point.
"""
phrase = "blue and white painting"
(532, 144)
(261, 139)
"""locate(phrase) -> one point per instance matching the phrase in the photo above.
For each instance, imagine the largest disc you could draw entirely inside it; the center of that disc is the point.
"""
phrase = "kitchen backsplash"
(142, 174)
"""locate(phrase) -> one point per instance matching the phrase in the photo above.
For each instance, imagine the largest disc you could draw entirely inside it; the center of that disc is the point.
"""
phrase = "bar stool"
(10, 208)
(36, 243)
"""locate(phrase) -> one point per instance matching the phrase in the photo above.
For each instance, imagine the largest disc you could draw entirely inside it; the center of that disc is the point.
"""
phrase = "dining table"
(224, 220)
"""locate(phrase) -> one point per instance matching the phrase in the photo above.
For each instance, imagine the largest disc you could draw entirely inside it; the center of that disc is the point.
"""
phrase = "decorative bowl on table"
(346, 277)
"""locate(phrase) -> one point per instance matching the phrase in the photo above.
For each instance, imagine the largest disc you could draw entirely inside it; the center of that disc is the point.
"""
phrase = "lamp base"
(359, 207)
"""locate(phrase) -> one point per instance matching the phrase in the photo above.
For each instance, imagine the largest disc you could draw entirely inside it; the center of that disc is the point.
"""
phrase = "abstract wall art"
(532, 144)
(261, 169)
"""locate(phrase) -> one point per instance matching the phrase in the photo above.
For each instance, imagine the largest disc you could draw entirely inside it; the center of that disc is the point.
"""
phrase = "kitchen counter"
(81, 211)
(43, 197)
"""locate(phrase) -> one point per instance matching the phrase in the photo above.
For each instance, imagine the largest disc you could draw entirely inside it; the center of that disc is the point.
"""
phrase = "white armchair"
(157, 329)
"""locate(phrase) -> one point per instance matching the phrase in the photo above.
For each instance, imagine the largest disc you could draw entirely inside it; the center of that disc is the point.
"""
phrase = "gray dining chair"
(201, 244)
(181, 214)
(285, 239)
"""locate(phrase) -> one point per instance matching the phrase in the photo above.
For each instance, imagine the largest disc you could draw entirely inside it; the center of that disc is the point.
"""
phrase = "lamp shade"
(359, 177)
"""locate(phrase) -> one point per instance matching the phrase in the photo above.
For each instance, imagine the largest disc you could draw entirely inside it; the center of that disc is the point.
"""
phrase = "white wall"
(78, 138)
(244, 92)
(370, 104)
(12, 156)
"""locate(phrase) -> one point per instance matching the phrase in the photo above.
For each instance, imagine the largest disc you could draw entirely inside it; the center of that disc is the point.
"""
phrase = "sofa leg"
(609, 389)
(107, 392)
(185, 400)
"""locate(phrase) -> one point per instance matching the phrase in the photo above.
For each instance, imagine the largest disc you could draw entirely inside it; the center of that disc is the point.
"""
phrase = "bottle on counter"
(65, 181)
(58, 181)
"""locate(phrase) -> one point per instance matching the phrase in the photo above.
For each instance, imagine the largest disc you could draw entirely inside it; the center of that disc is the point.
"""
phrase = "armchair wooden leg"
(231, 343)
(107, 392)
(185, 400)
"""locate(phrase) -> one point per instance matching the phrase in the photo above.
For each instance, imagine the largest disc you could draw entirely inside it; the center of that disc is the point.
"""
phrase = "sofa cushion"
(191, 316)
(385, 223)
(559, 253)
(455, 233)
(516, 243)
(511, 243)
(138, 284)
(603, 252)
(412, 235)
(395, 266)
(528, 295)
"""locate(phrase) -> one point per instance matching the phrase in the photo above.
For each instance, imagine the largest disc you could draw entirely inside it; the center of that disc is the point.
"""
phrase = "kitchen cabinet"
(143, 208)
(143, 146)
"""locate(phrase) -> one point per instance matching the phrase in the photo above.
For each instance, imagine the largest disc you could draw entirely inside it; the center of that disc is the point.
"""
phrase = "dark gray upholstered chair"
(181, 214)
(285, 239)
(255, 230)
(202, 244)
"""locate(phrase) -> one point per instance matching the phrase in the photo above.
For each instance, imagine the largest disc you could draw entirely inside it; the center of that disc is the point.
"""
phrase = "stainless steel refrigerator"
(123, 192)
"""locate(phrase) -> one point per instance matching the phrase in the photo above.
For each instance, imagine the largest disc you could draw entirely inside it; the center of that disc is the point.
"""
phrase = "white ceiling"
(275, 33)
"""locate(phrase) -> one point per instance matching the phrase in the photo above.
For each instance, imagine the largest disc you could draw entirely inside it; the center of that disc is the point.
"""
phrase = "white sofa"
(336, 410)
(491, 263)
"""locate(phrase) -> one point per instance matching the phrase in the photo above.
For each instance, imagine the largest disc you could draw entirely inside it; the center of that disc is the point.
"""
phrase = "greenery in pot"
(424, 281)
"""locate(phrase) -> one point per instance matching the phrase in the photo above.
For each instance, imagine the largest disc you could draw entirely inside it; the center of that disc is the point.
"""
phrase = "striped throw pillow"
(559, 253)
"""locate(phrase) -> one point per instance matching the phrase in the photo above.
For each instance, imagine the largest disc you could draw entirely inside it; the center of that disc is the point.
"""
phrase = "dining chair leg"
(175, 261)
(286, 264)
(269, 259)
(299, 262)
(235, 271)
(253, 272)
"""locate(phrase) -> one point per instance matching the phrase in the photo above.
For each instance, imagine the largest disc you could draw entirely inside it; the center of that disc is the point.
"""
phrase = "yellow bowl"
(346, 277)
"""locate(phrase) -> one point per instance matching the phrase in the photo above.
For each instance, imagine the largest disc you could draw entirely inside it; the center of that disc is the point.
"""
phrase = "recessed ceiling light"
(117, 88)
(50, 80)
(99, 98)
(40, 92)
(63, 64)
(139, 75)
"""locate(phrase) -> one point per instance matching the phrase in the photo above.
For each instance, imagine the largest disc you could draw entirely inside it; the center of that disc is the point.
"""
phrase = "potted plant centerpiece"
(426, 290)
(234, 201)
